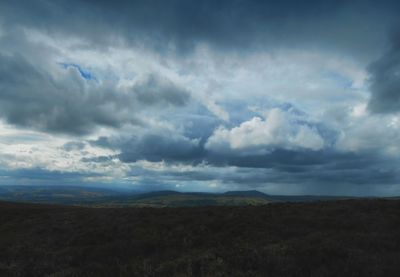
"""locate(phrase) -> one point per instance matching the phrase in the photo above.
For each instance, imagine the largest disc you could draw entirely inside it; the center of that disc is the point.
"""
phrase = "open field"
(335, 238)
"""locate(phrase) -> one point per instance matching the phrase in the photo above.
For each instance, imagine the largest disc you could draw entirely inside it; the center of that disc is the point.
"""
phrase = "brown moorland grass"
(335, 238)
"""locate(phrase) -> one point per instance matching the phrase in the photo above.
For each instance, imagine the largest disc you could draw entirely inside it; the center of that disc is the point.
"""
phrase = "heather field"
(332, 238)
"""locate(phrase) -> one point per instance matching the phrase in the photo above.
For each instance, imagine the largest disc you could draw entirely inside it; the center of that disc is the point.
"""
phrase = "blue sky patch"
(85, 73)
(341, 80)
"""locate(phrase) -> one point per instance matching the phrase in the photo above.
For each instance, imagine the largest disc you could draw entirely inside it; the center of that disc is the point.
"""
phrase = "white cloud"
(21, 149)
(377, 133)
(278, 130)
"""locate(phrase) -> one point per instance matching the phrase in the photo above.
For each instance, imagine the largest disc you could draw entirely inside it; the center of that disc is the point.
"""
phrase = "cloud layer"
(69, 103)
(284, 97)
(385, 80)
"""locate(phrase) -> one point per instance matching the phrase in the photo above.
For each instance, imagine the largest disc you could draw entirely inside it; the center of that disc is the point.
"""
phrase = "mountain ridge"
(93, 196)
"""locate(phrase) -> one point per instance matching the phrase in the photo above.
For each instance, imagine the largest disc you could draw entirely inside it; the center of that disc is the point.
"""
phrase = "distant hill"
(101, 197)
(177, 199)
(248, 193)
(55, 194)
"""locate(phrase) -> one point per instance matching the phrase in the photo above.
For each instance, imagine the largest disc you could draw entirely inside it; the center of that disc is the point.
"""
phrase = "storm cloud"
(224, 23)
(285, 97)
(70, 103)
(385, 80)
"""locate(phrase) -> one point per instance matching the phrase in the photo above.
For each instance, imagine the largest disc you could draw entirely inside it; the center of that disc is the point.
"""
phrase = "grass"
(335, 238)
(183, 201)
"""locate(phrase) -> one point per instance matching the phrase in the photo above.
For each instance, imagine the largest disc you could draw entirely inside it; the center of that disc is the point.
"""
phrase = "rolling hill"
(100, 197)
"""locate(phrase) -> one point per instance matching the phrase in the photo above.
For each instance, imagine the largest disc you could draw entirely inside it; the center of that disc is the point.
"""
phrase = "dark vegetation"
(331, 238)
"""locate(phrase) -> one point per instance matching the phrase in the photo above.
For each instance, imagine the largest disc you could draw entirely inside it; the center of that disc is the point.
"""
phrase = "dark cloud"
(103, 142)
(348, 174)
(224, 23)
(74, 146)
(385, 80)
(31, 97)
(156, 90)
(156, 147)
(166, 145)
(30, 176)
(98, 159)
(318, 170)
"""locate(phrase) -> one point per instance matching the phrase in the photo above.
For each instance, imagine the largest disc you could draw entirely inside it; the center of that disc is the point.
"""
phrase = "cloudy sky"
(286, 97)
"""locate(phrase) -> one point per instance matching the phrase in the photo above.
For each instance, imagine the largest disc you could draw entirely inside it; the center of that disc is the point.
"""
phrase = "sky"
(284, 97)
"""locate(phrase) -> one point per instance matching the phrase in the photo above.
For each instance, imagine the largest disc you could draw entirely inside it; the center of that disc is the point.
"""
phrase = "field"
(332, 238)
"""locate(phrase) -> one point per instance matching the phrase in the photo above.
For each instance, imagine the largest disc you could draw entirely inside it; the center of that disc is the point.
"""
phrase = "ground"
(333, 238)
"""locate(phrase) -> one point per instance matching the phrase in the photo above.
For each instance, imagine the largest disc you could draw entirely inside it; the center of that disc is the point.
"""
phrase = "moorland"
(356, 237)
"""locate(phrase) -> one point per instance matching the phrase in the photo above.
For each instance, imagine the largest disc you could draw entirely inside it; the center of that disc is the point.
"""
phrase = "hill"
(335, 238)
(249, 193)
(100, 197)
(68, 195)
